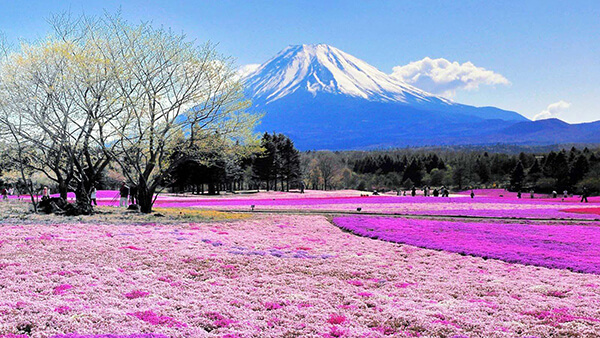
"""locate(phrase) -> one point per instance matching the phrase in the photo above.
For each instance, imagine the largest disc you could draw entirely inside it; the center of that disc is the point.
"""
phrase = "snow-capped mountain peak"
(323, 68)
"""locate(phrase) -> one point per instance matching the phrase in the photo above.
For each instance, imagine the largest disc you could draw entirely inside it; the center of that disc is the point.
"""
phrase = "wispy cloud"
(245, 70)
(442, 77)
(553, 110)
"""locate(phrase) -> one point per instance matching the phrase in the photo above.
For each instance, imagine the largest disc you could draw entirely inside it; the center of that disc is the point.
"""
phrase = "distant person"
(532, 193)
(584, 195)
(472, 194)
(133, 194)
(45, 193)
(436, 193)
(404, 193)
(375, 193)
(124, 193)
(565, 195)
(519, 194)
(445, 191)
(554, 194)
(4, 193)
(302, 187)
(413, 192)
(93, 196)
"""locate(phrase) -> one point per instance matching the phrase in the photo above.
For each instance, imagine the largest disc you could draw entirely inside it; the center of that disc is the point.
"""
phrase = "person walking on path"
(133, 195)
(124, 192)
(4, 193)
(93, 196)
(472, 194)
(584, 195)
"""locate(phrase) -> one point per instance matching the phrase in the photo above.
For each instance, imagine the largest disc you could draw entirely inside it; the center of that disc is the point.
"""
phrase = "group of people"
(127, 193)
(584, 194)
(443, 192)
(6, 192)
(531, 194)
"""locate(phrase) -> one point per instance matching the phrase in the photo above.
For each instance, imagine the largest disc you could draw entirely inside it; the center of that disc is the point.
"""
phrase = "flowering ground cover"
(488, 203)
(453, 206)
(594, 211)
(495, 203)
(270, 276)
(573, 247)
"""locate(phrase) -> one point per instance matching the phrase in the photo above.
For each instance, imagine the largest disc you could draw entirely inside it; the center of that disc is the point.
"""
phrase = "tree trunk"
(63, 189)
(145, 198)
(212, 190)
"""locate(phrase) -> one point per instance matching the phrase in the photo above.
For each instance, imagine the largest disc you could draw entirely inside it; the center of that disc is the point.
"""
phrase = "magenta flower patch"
(272, 306)
(553, 246)
(336, 319)
(154, 319)
(136, 294)
(61, 289)
(62, 309)
(136, 335)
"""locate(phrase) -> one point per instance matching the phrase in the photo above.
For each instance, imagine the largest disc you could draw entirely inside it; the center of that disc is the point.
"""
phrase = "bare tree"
(174, 95)
(329, 167)
(99, 89)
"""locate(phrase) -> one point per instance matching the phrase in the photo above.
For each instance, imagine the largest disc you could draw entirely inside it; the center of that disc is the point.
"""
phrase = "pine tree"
(579, 169)
(517, 176)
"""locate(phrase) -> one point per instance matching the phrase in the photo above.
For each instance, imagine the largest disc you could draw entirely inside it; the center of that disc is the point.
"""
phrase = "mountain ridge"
(325, 98)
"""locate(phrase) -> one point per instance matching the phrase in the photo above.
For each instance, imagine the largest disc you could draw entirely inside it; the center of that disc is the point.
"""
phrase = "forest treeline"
(275, 164)
(280, 166)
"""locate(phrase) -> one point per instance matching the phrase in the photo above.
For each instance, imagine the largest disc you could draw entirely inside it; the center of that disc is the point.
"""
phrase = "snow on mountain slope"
(322, 68)
(327, 99)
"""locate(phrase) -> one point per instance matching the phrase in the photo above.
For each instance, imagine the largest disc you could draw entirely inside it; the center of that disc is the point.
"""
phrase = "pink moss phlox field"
(136, 294)
(138, 335)
(554, 246)
(155, 319)
(488, 203)
(197, 286)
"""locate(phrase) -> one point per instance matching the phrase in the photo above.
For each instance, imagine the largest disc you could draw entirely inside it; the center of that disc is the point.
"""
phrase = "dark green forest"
(279, 166)
(275, 164)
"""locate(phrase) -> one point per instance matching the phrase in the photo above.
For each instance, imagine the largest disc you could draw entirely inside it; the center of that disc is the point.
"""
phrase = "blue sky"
(547, 51)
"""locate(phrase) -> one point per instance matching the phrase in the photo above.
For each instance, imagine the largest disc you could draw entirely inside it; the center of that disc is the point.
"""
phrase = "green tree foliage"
(459, 169)
(279, 161)
(517, 177)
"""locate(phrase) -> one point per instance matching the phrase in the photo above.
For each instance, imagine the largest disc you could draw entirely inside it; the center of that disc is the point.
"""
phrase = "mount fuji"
(324, 98)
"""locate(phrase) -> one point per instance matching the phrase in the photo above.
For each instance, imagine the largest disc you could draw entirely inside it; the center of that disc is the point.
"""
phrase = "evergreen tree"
(579, 169)
(535, 172)
(290, 162)
(482, 170)
(517, 177)
(414, 172)
(263, 166)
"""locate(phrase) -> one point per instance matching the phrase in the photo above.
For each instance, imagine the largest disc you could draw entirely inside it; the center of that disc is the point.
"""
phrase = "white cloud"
(442, 77)
(553, 110)
(245, 70)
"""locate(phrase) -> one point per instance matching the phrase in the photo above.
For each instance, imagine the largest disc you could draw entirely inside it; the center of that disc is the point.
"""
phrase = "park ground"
(307, 265)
